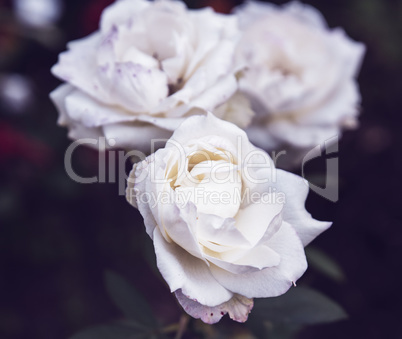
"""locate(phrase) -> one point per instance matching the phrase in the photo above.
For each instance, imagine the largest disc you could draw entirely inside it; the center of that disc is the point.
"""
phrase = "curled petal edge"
(238, 308)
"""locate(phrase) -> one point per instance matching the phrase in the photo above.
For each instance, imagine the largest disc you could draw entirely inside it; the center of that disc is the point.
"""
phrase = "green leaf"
(324, 264)
(114, 331)
(299, 306)
(129, 301)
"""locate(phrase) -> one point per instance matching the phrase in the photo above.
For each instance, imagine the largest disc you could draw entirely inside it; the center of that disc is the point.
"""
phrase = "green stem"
(184, 320)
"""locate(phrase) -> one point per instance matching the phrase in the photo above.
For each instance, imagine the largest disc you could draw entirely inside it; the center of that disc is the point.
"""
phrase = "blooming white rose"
(226, 226)
(301, 75)
(148, 67)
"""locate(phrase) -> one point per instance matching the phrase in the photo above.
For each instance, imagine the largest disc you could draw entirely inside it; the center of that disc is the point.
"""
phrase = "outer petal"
(342, 105)
(236, 110)
(180, 226)
(135, 135)
(294, 212)
(272, 281)
(254, 220)
(120, 12)
(133, 86)
(136, 185)
(85, 109)
(217, 94)
(238, 308)
(58, 97)
(196, 127)
(222, 231)
(76, 130)
(254, 10)
(306, 13)
(78, 65)
(183, 271)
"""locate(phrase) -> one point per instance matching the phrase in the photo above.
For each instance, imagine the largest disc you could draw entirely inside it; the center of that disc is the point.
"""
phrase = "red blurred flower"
(221, 6)
(15, 144)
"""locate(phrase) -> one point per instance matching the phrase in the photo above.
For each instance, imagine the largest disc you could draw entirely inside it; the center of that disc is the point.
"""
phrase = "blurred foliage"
(278, 318)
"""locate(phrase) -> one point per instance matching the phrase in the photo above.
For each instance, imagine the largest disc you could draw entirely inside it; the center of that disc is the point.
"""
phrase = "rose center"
(212, 182)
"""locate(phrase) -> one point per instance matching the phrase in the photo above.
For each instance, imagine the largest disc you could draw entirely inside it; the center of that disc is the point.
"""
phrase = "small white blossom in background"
(301, 75)
(16, 93)
(217, 252)
(148, 67)
(38, 13)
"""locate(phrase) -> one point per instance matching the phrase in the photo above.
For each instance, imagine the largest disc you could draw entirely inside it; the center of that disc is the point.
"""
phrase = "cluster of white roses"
(158, 70)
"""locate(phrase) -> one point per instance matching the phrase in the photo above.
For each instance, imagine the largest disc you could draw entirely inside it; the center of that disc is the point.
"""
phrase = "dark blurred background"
(58, 237)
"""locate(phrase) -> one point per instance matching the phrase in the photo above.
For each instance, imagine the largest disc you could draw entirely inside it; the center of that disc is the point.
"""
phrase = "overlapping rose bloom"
(227, 226)
(301, 75)
(148, 67)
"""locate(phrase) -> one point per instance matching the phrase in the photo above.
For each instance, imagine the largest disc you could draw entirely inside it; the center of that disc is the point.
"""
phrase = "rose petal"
(76, 130)
(238, 308)
(136, 184)
(121, 12)
(135, 135)
(294, 212)
(183, 271)
(254, 220)
(272, 281)
(77, 66)
(91, 113)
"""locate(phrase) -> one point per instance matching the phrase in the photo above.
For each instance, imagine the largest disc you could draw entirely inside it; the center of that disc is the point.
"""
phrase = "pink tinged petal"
(135, 135)
(294, 212)
(183, 271)
(238, 308)
(272, 281)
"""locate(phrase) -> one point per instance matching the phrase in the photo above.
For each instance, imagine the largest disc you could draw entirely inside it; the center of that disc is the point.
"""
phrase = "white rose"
(301, 75)
(150, 65)
(226, 226)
